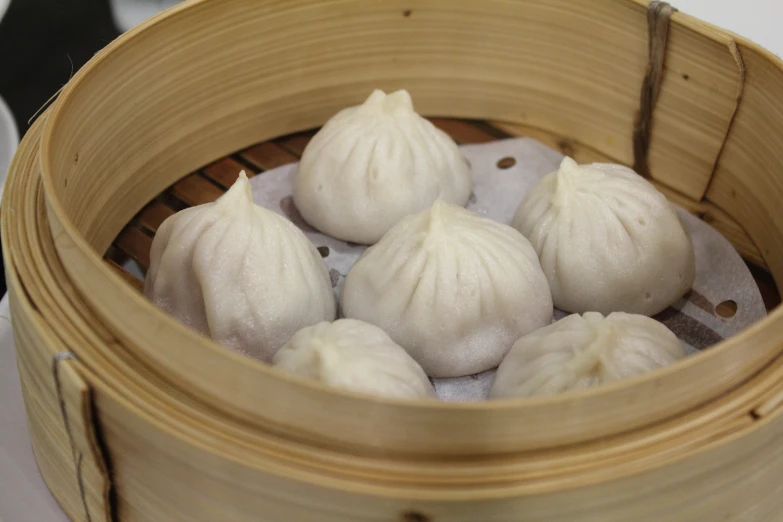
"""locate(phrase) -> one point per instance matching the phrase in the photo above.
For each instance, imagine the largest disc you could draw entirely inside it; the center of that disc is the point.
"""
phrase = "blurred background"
(42, 42)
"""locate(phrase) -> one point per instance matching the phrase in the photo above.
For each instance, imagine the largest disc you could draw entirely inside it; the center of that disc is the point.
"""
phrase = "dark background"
(42, 42)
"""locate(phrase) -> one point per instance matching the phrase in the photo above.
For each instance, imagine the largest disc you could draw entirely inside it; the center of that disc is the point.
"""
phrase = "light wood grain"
(694, 111)
(77, 410)
(748, 178)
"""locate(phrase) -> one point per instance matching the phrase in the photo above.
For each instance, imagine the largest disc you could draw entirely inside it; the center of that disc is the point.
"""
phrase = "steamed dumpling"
(239, 273)
(580, 352)
(607, 240)
(356, 356)
(452, 288)
(373, 164)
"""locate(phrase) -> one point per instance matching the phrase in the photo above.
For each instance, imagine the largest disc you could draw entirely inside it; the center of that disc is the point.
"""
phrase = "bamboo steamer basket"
(133, 417)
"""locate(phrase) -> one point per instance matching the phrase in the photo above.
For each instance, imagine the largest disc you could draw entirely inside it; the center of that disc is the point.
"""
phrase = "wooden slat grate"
(269, 155)
(153, 215)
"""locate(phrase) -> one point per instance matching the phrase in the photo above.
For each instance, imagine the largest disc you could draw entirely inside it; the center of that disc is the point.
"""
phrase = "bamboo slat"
(266, 156)
(749, 168)
(151, 217)
(698, 97)
(136, 244)
(195, 190)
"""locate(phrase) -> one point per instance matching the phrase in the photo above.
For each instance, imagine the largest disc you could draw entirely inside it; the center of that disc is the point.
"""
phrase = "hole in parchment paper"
(506, 163)
(726, 309)
(412, 516)
(324, 251)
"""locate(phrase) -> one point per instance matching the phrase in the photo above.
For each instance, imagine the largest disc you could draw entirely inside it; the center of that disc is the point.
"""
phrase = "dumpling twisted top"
(240, 273)
(580, 352)
(373, 164)
(354, 355)
(607, 240)
(452, 288)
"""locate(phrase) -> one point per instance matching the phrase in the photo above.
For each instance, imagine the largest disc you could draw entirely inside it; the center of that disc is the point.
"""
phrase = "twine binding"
(658, 17)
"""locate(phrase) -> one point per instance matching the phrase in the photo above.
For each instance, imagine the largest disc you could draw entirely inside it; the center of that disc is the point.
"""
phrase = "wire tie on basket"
(658, 17)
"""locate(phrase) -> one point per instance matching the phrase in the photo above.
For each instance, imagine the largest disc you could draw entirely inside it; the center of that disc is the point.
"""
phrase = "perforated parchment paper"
(721, 274)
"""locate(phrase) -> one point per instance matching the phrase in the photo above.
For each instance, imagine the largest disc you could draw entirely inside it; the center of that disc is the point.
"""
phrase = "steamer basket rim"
(615, 388)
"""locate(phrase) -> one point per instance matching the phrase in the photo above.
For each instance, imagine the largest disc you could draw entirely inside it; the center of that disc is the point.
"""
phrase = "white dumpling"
(239, 273)
(354, 355)
(375, 163)
(452, 288)
(581, 352)
(608, 241)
